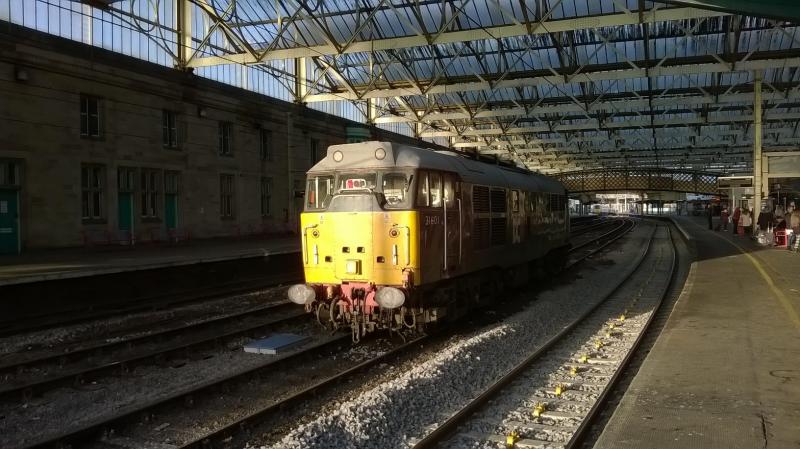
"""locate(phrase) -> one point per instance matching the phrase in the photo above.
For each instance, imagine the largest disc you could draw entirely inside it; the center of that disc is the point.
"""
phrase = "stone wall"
(42, 81)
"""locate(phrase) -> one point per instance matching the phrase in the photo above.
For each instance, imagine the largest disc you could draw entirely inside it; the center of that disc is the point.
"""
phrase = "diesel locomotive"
(395, 236)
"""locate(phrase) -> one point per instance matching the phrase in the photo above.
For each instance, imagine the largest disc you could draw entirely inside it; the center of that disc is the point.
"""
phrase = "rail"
(449, 426)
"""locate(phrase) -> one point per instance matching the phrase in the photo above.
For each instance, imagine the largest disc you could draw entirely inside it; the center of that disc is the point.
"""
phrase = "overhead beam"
(594, 124)
(675, 133)
(678, 67)
(449, 37)
(604, 105)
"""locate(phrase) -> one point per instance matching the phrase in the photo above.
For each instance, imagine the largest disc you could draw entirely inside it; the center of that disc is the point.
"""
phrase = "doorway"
(9, 222)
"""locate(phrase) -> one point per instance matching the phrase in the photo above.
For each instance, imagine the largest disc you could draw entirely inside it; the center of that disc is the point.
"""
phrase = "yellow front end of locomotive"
(381, 248)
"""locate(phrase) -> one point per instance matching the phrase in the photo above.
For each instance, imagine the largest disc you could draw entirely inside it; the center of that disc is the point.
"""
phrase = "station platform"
(725, 371)
(36, 266)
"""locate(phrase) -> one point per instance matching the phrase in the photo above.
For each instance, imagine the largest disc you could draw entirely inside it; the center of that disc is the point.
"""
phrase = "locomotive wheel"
(324, 315)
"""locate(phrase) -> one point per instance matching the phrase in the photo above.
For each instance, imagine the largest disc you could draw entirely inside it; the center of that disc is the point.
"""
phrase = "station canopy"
(556, 85)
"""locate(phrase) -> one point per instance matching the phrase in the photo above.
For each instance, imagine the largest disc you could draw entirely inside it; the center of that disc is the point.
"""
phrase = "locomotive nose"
(354, 246)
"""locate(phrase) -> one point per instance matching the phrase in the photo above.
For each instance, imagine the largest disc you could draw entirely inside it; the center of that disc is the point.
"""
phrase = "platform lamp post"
(757, 181)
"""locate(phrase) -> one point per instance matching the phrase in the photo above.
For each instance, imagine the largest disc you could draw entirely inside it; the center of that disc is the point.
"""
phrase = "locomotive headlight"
(338, 156)
(301, 294)
(380, 153)
(353, 266)
(390, 297)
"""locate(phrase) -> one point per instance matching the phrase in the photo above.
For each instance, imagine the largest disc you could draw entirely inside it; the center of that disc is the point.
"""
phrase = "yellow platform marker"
(512, 438)
(611, 325)
(560, 389)
(583, 359)
(538, 409)
(573, 371)
(598, 344)
(622, 317)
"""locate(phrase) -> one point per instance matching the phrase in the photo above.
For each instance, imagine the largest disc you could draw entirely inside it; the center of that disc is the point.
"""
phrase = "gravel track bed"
(179, 425)
(68, 338)
(391, 414)
(513, 408)
(55, 369)
(67, 408)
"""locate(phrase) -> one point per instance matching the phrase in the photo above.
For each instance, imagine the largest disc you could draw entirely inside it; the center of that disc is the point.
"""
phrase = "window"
(225, 131)
(170, 129)
(266, 195)
(126, 179)
(319, 190)
(9, 173)
(435, 184)
(226, 195)
(171, 183)
(92, 192)
(356, 181)
(423, 200)
(448, 191)
(313, 154)
(515, 200)
(149, 192)
(90, 116)
(395, 187)
(265, 146)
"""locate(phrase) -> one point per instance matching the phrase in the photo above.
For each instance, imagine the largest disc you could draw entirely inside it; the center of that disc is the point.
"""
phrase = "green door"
(125, 211)
(171, 211)
(9, 222)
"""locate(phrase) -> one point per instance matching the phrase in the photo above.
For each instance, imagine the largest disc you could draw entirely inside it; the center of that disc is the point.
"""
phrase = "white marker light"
(390, 297)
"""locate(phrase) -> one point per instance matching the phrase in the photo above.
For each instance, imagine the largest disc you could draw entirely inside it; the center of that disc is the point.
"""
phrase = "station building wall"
(101, 147)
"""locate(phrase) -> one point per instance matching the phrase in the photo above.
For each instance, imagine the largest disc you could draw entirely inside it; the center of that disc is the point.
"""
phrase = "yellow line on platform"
(793, 316)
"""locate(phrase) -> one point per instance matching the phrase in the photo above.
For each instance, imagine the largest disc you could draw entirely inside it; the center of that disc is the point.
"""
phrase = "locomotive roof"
(360, 156)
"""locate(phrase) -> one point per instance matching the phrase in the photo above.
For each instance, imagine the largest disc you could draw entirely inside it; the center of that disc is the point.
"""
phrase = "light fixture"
(380, 153)
(201, 111)
(338, 156)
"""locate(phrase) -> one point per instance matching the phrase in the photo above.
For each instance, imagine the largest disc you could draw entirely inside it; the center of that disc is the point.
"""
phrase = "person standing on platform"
(747, 222)
(710, 218)
(764, 218)
(794, 223)
(737, 214)
(723, 216)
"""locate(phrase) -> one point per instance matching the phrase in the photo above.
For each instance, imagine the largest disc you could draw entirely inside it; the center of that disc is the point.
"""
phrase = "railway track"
(551, 398)
(28, 376)
(591, 246)
(155, 302)
(101, 426)
(243, 427)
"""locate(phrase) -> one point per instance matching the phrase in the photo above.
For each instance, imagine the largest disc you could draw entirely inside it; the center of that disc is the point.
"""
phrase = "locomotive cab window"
(348, 182)
(450, 187)
(423, 200)
(431, 189)
(319, 191)
(395, 187)
(435, 188)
